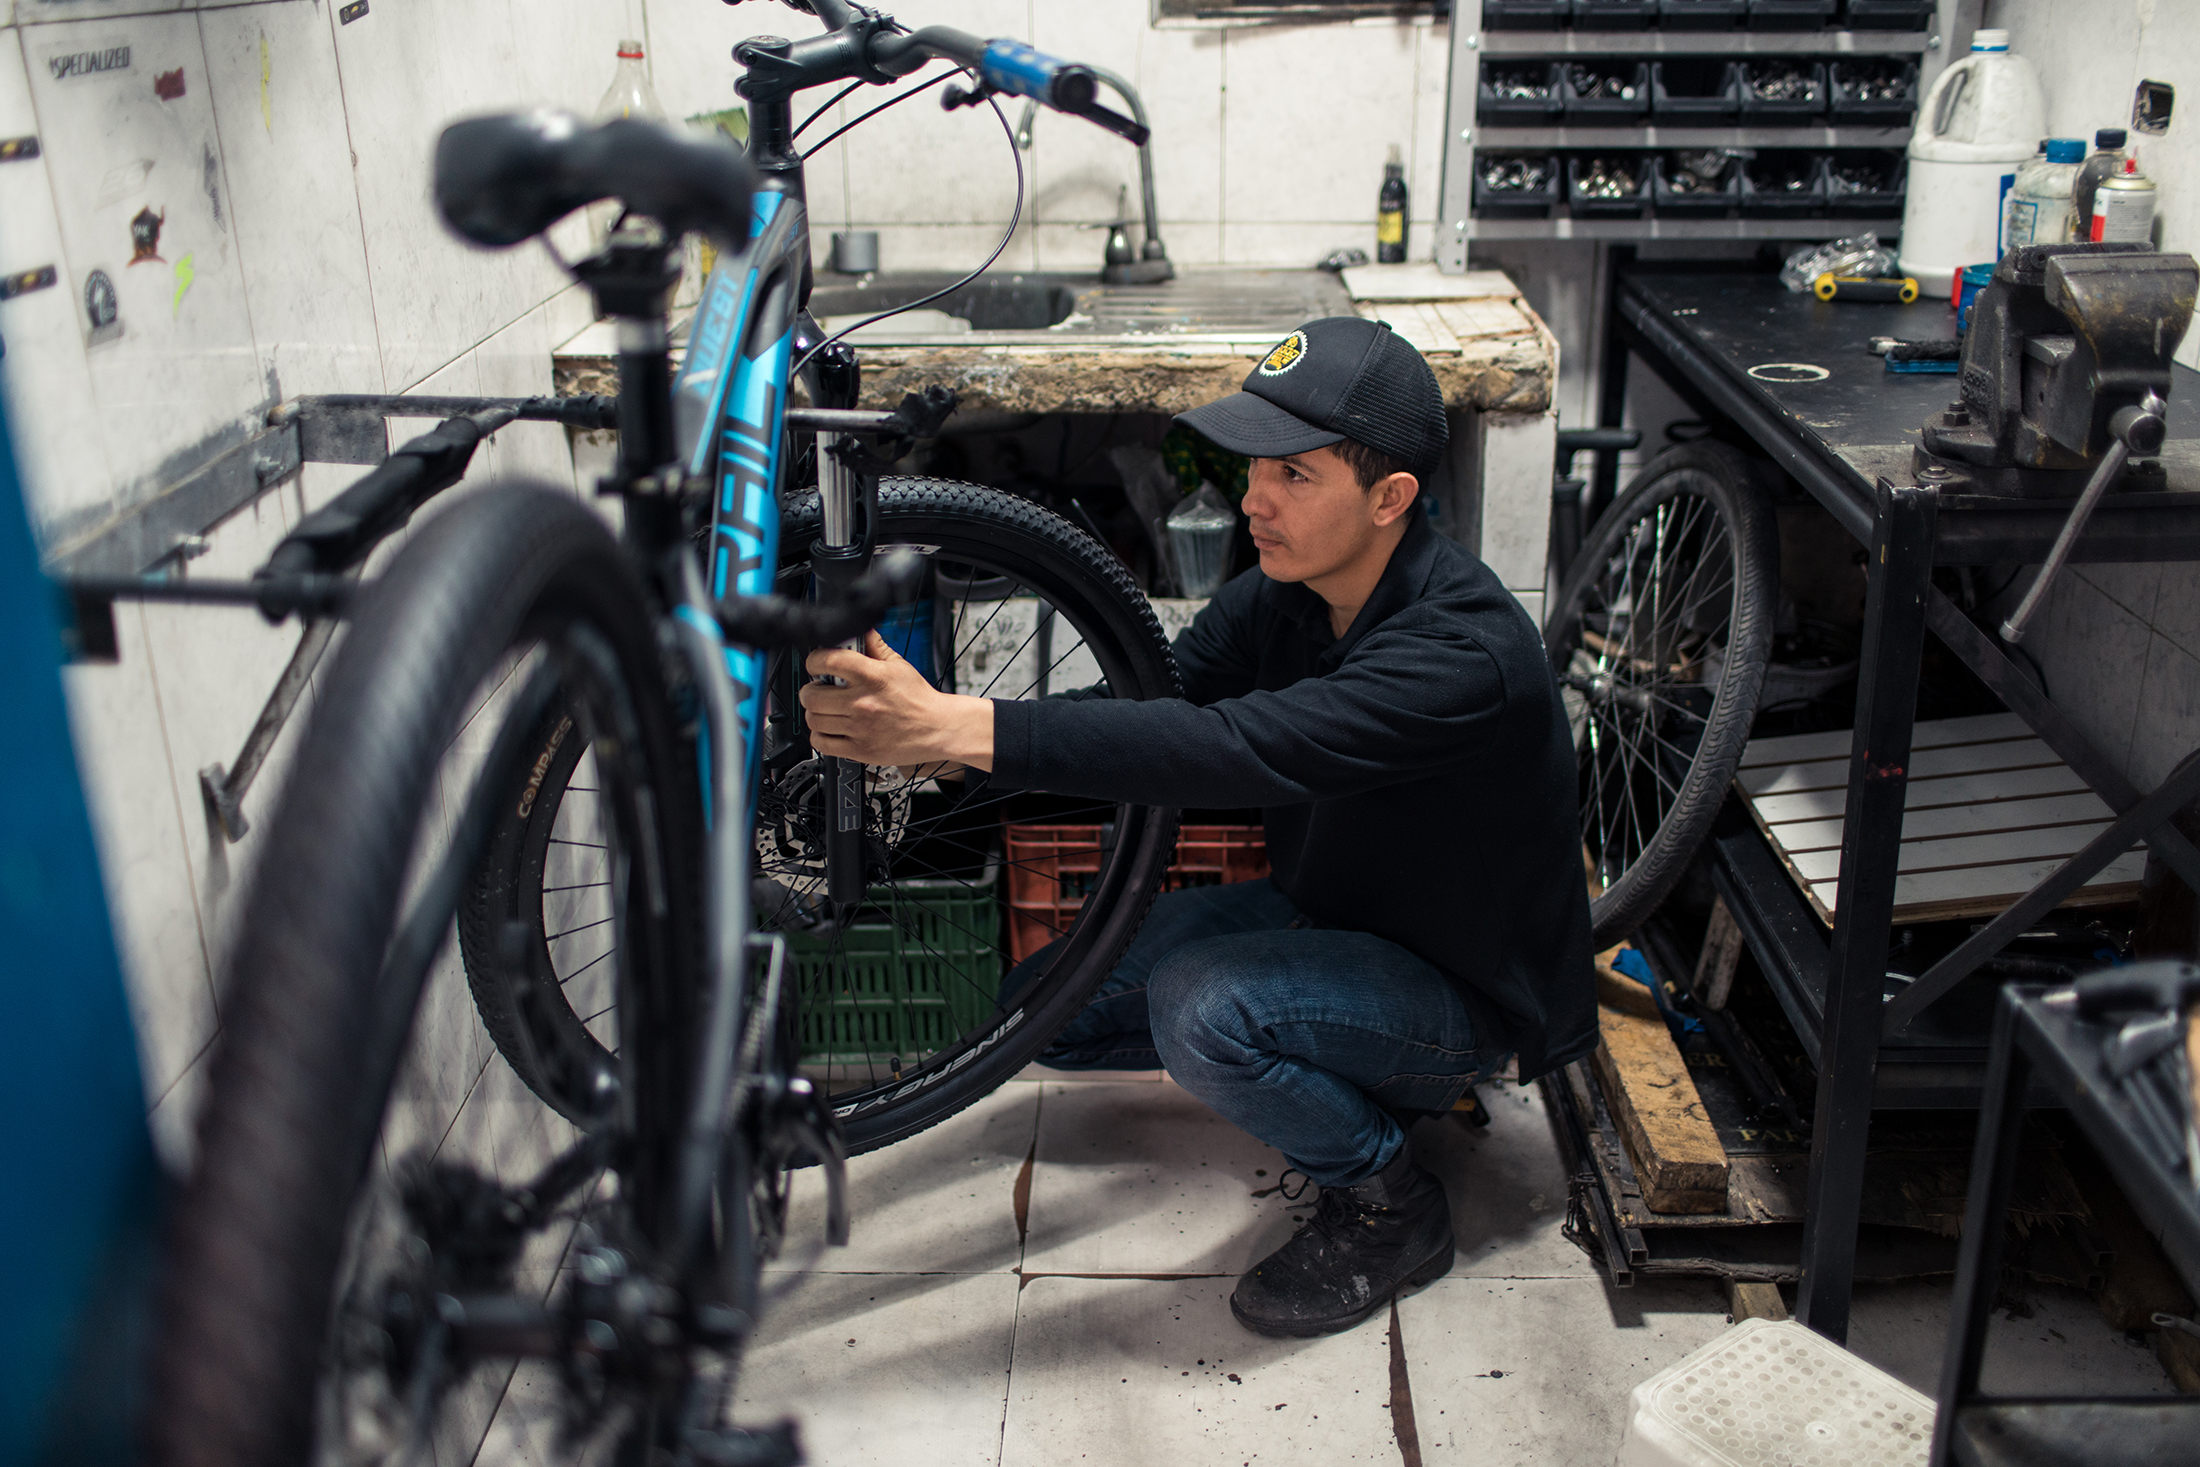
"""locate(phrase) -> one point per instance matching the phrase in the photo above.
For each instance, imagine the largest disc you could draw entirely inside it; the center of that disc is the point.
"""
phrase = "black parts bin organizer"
(1807, 117)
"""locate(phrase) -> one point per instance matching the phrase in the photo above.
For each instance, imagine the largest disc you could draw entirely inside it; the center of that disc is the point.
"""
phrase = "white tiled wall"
(284, 152)
(2120, 645)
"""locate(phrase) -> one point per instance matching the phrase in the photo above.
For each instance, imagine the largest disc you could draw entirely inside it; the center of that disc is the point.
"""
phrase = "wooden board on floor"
(1988, 812)
(1669, 1137)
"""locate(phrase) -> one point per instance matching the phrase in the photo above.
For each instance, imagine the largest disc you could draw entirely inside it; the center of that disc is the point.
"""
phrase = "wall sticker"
(72, 65)
(145, 237)
(100, 309)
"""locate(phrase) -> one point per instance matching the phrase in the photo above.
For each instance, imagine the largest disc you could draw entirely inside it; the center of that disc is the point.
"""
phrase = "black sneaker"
(1363, 1247)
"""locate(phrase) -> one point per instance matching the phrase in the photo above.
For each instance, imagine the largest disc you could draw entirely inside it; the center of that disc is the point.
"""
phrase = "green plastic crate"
(916, 971)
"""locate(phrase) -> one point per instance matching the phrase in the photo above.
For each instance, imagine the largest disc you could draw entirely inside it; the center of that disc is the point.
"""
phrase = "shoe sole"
(1428, 1273)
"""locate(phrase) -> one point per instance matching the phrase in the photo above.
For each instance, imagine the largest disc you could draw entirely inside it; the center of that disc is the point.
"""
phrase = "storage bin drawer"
(1888, 15)
(1778, 91)
(1701, 15)
(1614, 15)
(1695, 91)
(1865, 182)
(1499, 99)
(1792, 15)
(1783, 184)
(1608, 185)
(1684, 192)
(1878, 91)
(1515, 185)
(1605, 92)
(1525, 15)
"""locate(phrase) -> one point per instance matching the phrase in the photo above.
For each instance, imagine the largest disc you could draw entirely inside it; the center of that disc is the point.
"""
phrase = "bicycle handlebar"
(867, 45)
(1017, 68)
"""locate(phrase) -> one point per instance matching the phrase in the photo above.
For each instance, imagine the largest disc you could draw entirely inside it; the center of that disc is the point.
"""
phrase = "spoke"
(1048, 671)
(584, 886)
(1010, 660)
(568, 932)
(592, 962)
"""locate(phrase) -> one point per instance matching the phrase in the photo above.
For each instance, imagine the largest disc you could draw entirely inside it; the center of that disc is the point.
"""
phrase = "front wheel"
(364, 1160)
(989, 916)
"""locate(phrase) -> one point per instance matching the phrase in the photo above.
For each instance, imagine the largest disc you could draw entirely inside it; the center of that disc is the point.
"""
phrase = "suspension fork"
(848, 508)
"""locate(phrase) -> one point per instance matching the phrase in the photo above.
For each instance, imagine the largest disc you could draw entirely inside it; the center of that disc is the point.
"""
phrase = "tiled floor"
(1046, 1280)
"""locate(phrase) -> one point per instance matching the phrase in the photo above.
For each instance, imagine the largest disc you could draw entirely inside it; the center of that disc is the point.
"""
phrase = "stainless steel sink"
(1034, 307)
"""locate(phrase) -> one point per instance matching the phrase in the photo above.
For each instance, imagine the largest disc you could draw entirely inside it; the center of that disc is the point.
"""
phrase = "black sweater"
(1416, 776)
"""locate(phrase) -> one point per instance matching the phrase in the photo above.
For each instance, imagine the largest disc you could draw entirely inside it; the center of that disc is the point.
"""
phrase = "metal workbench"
(2044, 1038)
(1793, 374)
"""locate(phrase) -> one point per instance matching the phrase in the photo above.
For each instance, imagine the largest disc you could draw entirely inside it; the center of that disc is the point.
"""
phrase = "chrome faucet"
(1152, 267)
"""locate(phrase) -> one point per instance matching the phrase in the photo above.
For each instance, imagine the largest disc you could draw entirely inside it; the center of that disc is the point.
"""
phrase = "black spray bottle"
(1390, 212)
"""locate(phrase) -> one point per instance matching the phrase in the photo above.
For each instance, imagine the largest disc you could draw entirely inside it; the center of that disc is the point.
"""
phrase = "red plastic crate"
(1051, 869)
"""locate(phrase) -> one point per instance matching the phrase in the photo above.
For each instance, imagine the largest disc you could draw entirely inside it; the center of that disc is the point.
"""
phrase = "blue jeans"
(1311, 1038)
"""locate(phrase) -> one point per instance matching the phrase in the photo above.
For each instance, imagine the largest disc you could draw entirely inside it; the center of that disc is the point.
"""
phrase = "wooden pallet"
(1989, 812)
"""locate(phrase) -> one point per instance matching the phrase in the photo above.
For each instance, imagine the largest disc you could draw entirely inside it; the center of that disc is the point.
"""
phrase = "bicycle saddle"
(503, 179)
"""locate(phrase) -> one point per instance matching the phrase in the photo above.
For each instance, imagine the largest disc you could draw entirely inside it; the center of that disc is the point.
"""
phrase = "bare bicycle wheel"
(1659, 642)
(989, 915)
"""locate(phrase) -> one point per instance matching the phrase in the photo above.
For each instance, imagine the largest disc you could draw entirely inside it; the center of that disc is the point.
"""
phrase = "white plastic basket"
(1768, 1394)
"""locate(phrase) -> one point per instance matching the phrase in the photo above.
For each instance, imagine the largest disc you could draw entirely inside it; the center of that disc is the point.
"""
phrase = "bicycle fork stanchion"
(842, 554)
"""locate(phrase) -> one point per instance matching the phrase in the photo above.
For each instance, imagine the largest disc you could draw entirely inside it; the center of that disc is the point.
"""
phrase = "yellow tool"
(1867, 289)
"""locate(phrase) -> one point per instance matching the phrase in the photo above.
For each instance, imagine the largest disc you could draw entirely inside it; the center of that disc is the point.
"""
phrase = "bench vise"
(2062, 342)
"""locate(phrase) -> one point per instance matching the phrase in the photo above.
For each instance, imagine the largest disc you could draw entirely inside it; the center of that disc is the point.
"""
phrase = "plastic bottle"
(2123, 207)
(2108, 158)
(2040, 211)
(1982, 118)
(1390, 212)
(631, 95)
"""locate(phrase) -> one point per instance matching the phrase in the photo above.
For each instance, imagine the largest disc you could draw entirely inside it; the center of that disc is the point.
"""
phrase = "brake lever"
(1123, 127)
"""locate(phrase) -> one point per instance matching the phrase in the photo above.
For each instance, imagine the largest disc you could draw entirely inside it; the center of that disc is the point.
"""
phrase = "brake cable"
(875, 111)
(834, 101)
(1015, 218)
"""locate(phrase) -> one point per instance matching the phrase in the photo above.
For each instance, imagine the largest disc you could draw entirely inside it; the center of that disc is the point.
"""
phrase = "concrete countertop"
(1490, 352)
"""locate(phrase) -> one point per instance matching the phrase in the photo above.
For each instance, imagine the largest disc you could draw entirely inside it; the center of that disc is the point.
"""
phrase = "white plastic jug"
(1981, 120)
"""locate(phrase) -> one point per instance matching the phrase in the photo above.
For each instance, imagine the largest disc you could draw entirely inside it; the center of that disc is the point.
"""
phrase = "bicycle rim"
(1659, 647)
(901, 1014)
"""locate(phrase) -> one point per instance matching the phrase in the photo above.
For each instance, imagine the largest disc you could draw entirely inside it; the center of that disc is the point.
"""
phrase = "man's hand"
(888, 714)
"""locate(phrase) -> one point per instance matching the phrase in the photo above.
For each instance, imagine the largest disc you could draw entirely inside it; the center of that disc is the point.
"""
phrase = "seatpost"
(630, 278)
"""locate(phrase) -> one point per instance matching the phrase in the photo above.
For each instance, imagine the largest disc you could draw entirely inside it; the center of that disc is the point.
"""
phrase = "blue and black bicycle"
(701, 955)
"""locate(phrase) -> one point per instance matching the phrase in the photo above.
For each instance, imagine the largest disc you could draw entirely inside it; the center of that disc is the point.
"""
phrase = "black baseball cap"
(1336, 378)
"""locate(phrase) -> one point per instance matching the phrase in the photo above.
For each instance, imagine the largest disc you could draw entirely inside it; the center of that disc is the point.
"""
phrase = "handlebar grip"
(1024, 70)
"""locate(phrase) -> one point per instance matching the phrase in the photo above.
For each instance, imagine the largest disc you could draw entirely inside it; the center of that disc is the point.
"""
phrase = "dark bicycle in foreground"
(409, 1237)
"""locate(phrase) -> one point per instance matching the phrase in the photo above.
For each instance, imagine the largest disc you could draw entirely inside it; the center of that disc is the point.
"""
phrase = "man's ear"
(1393, 496)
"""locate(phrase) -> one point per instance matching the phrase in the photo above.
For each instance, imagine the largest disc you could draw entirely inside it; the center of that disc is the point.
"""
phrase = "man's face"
(1310, 517)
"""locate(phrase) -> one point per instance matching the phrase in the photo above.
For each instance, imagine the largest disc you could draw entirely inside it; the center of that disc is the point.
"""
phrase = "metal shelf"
(1498, 135)
(1655, 228)
(1702, 43)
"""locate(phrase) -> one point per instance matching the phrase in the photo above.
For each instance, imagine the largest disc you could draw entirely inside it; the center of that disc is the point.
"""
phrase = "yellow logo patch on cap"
(1287, 355)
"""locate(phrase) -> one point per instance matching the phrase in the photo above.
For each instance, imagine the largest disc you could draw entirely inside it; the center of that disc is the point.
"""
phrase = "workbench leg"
(1900, 575)
(1611, 391)
(1978, 1261)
